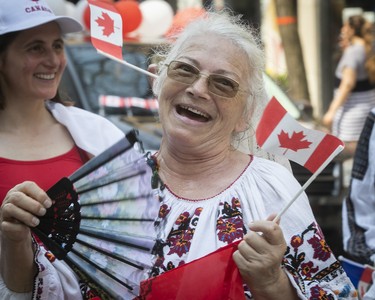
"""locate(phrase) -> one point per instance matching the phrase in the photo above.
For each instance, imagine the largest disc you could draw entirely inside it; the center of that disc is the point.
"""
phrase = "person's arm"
(19, 212)
(17, 266)
(259, 260)
(362, 189)
(347, 84)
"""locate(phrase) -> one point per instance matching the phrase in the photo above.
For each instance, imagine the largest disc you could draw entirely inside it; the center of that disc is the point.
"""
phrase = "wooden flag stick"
(308, 182)
(127, 64)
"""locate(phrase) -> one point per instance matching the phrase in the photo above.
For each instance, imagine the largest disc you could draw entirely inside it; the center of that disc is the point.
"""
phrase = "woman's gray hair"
(228, 25)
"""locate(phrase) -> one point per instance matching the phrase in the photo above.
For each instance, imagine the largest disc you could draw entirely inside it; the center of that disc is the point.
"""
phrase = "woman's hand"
(259, 257)
(327, 119)
(20, 210)
(348, 82)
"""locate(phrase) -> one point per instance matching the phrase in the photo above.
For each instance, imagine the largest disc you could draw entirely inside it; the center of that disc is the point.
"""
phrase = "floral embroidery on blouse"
(308, 262)
(230, 225)
(49, 255)
(307, 273)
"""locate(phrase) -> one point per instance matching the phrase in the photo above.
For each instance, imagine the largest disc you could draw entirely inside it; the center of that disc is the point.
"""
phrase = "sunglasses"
(219, 85)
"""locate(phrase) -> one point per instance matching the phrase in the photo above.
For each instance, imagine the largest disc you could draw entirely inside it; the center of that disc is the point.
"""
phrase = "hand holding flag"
(280, 134)
(106, 32)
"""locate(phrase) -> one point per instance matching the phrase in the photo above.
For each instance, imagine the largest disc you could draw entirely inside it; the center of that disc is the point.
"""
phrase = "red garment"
(212, 277)
(44, 172)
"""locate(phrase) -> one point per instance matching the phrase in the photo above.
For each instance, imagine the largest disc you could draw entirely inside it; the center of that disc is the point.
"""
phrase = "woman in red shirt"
(42, 137)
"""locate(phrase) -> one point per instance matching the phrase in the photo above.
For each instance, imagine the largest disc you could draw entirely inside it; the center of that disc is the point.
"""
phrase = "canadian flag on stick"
(280, 134)
(106, 32)
(106, 28)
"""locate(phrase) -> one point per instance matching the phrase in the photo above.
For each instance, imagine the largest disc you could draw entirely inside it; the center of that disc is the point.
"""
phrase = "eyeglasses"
(217, 84)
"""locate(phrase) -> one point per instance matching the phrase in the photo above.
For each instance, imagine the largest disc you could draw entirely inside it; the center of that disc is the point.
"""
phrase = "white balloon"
(57, 6)
(157, 18)
(70, 9)
(79, 10)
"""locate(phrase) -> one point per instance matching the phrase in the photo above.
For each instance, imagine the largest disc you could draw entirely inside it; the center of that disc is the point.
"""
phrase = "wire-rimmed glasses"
(217, 84)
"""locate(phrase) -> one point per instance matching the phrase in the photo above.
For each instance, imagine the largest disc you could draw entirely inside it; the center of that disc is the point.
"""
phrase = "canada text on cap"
(16, 15)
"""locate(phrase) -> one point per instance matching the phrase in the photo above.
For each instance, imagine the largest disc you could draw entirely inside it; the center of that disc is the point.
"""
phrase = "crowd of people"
(211, 92)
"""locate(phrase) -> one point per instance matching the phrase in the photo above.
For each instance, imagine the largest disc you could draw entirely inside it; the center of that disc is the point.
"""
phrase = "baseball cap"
(16, 15)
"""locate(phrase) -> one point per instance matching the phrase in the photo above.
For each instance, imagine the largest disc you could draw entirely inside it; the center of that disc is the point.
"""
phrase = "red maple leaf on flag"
(295, 142)
(107, 23)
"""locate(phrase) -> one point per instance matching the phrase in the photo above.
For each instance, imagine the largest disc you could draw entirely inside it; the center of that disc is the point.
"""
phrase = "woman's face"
(191, 114)
(32, 65)
(346, 35)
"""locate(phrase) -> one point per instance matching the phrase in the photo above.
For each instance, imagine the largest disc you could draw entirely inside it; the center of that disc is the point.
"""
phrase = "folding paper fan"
(102, 220)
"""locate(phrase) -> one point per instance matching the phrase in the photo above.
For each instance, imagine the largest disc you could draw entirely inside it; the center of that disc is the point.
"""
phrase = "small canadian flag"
(280, 134)
(106, 28)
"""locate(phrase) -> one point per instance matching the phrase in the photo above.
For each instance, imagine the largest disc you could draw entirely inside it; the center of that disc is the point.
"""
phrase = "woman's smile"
(193, 113)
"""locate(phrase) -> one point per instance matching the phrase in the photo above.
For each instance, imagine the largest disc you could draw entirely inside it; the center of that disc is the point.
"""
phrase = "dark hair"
(357, 23)
(5, 41)
(365, 30)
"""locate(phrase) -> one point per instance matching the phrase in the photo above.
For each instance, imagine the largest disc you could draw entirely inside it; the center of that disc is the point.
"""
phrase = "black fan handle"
(59, 227)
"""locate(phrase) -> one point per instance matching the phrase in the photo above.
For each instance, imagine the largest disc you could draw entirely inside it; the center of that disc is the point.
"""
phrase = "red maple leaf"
(107, 23)
(295, 142)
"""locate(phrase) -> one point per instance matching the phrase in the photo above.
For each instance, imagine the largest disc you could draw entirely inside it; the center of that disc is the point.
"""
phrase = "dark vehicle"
(90, 77)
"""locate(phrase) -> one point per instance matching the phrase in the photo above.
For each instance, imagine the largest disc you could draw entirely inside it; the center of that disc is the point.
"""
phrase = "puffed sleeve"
(54, 280)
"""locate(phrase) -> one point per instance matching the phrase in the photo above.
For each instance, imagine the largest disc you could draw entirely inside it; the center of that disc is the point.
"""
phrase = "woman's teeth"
(45, 76)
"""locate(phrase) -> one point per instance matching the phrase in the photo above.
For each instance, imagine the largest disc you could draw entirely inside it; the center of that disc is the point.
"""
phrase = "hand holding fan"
(101, 222)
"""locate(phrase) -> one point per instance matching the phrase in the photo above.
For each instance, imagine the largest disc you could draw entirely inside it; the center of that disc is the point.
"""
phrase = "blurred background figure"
(359, 206)
(354, 95)
(359, 209)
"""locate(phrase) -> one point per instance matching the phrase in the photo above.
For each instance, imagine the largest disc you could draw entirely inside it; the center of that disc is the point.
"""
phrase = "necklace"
(156, 182)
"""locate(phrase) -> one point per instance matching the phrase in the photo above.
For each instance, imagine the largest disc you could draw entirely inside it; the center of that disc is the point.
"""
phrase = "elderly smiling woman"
(211, 92)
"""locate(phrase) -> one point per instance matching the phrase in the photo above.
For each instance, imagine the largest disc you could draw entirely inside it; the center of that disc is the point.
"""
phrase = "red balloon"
(183, 18)
(131, 15)
(86, 17)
